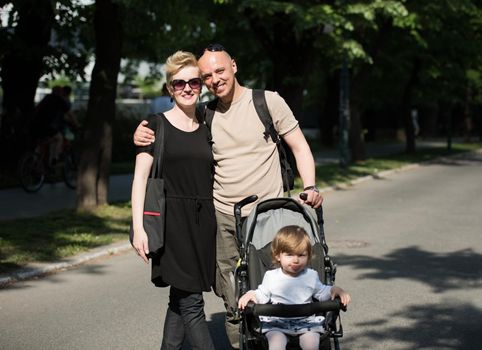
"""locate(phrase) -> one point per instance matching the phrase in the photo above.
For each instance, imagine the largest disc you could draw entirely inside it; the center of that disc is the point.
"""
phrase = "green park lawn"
(67, 232)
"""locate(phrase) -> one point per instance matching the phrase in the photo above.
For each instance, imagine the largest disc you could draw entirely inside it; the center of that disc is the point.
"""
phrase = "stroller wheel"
(245, 344)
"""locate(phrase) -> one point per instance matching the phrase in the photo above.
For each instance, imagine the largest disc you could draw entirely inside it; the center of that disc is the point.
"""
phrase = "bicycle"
(34, 166)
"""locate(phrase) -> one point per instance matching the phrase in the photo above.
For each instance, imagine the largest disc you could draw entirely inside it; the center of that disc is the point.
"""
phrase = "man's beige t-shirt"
(247, 162)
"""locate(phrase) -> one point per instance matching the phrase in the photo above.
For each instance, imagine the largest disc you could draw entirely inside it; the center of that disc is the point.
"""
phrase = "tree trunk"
(358, 81)
(22, 67)
(329, 117)
(355, 134)
(406, 107)
(430, 121)
(93, 178)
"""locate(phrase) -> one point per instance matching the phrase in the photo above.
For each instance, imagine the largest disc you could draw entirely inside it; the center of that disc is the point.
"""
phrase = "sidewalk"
(16, 203)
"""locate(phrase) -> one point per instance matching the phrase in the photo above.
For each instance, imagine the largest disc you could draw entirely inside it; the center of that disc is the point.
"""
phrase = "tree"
(22, 53)
(36, 40)
(93, 179)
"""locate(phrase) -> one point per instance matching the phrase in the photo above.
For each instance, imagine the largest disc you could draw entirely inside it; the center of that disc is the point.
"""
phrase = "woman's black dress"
(187, 260)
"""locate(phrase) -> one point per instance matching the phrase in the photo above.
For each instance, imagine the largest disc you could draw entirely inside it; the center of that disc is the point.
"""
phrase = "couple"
(244, 163)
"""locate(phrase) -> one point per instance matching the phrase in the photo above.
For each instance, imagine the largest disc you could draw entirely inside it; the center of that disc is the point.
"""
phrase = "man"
(247, 163)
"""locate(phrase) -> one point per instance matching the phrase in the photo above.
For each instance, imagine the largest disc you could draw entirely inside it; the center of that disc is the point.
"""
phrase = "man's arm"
(143, 136)
(305, 164)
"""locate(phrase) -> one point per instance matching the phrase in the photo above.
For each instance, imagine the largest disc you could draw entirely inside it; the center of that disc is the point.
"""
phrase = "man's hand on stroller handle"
(341, 294)
(311, 196)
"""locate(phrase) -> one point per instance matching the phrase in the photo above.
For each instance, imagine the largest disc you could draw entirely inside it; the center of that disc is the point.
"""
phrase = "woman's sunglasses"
(179, 84)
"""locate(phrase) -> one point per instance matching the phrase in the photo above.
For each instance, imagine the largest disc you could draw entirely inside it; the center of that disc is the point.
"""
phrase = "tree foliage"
(402, 54)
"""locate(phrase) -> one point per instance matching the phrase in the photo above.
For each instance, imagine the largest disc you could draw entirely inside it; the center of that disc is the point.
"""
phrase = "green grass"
(60, 234)
(65, 233)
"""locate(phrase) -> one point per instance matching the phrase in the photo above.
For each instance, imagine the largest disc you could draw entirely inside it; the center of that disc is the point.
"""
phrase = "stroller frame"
(250, 334)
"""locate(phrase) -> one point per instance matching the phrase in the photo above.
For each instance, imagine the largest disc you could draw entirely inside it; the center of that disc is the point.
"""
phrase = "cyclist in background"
(52, 117)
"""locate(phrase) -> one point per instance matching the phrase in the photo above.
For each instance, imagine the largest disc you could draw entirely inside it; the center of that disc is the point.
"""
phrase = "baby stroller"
(254, 240)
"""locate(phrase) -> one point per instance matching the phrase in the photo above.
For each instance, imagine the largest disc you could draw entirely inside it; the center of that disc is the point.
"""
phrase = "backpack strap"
(261, 107)
(259, 101)
(205, 114)
(209, 112)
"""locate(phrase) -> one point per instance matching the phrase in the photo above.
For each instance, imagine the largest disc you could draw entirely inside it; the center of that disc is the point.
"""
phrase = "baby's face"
(293, 264)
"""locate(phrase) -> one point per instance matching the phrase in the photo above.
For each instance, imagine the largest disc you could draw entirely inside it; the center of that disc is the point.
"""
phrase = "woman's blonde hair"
(291, 239)
(177, 61)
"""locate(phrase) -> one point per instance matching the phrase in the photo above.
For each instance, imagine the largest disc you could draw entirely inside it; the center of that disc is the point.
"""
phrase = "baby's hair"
(291, 239)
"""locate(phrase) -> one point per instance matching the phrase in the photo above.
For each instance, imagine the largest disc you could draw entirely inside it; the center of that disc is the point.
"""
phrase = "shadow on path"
(441, 271)
(452, 325)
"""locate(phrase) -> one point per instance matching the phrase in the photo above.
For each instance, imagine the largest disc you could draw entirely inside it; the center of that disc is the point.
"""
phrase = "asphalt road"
(408, 249)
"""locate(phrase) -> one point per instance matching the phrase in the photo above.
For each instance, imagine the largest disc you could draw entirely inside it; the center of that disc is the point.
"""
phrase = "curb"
(38, 270)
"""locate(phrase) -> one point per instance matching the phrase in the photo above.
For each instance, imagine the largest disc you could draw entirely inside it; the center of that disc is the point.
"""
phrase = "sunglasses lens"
(178, 84)
(195, 83)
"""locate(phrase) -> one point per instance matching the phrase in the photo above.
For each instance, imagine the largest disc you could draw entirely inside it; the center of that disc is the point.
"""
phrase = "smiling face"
(218, 71)
(188, 94)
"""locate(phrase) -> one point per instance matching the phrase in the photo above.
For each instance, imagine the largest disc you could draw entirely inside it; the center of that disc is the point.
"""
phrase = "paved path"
(16, 203)
(408, 249)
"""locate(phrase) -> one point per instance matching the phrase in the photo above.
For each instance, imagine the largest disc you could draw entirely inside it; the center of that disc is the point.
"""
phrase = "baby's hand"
(339, 292)
(246, 298)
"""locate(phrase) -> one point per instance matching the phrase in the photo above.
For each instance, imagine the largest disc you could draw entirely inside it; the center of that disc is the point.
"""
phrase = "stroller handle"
(295, 310)
(319, 212)
(237, 214)
(243, 202)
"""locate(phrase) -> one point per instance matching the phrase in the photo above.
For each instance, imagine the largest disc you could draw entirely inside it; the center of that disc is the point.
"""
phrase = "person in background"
(52, 116)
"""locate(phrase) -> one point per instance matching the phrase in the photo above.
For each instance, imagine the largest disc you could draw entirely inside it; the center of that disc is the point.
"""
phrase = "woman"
(188, 258)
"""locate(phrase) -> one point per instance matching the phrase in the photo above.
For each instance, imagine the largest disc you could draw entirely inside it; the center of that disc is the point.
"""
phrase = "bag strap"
(261, 107)
(209, 110)
(158, 148)
(259, 101)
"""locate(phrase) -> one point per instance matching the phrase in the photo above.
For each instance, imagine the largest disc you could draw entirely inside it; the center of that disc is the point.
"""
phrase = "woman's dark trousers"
(185, 318)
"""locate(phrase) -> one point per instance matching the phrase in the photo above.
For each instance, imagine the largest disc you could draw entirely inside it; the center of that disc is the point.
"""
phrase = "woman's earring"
(172, 99)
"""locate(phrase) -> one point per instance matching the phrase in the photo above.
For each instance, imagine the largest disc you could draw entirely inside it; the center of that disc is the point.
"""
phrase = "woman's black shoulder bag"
(155, 199)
